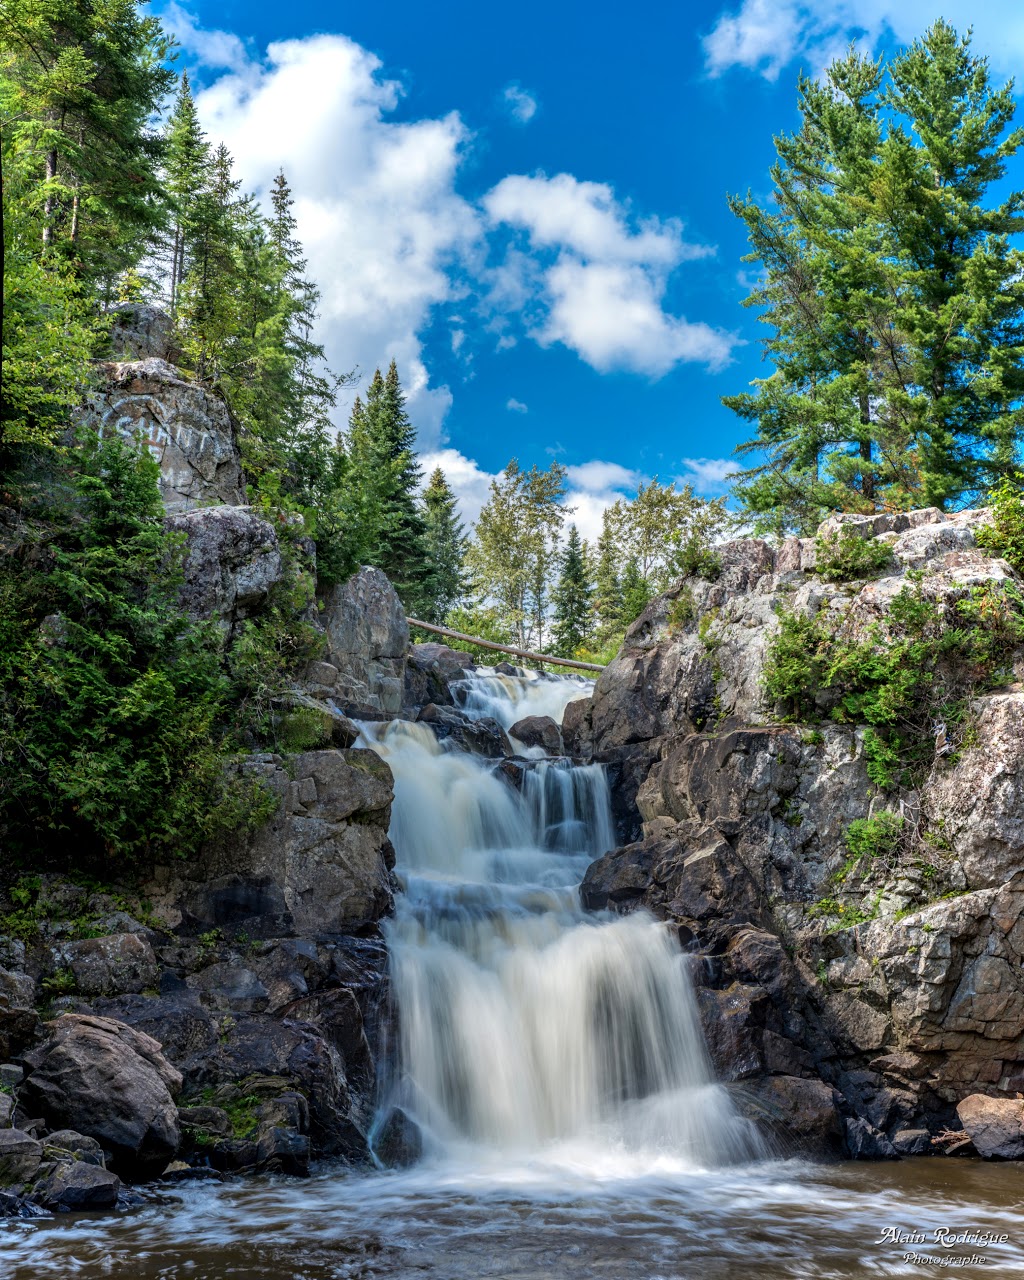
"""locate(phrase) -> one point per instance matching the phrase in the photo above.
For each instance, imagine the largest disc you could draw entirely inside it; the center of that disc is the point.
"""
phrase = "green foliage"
(61, 983)
(847, 557)
(681, 611)
(485, 622)
(843, 915)
(572, 599)
(901, 680)
(445, 543)
(874, 837)
(1005, 536)
(893, 290)
(114, 716)
(637, 592)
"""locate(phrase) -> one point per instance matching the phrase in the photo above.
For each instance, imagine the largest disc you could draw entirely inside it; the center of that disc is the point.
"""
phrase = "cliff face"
(863, 934)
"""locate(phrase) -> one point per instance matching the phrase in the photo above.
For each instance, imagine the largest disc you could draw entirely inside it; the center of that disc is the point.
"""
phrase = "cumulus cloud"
(765, 35)
(520, 104)
(516, 406)
(377, 211)
(708, 476)
(594, 279)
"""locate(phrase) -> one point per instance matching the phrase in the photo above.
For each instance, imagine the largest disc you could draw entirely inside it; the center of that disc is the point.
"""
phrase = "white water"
(530, 1030)
(511, 698)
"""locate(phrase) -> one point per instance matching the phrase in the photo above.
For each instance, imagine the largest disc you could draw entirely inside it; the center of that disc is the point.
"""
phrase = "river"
(553, 1064)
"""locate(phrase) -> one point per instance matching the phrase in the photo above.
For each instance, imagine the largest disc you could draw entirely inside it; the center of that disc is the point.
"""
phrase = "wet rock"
(431, 671)
(577, 731)
(912, 1142)
(186, 1031)
(199, 1121)
(76, 1185)
(733, 1021)
(539, 731)
(994, 1125)
(800, 1114)
(230, 988)
(118, 963)
(186, 427)
(367, 639)
(7, 1105)
(20, 1157)
(232, 561)
(484, 737)
(320, 866)
(398, 1142)
(18, 1017)
(109, 1082)
(281, 1150)
(865, 1142)
(67, 1142)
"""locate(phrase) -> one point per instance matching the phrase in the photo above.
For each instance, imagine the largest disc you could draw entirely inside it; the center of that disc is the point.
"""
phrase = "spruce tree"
(636, 592)
(381, 439)
(895, 299)
(186, 171)
(607, 583)
(446, 542)
(574, 621)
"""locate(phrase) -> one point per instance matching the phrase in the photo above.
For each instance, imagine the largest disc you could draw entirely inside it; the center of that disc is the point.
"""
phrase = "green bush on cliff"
(1005, 536)
(903, 680)
(115, 715)
(845, 556)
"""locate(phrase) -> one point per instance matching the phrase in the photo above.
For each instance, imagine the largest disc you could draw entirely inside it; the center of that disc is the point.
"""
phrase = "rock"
(282, 1151)
(11, 1075)
(20, 1157)
(118, 963)
(367, 638)
(109, 1082)
(977, 804)
(204, 1120)
(539, 731)
(430, 672)
(67, 1142)
(483, 737)
(186, 428)
(800, 1114)
(7, 1105)
(78, 1186)
(398, 1142)
(18, 1018)
(994, 1125)
(319, 867)
(229, 988)
(865, 1142)
(232, 561)
(138, 331)
(912, 1142)
(577, 731)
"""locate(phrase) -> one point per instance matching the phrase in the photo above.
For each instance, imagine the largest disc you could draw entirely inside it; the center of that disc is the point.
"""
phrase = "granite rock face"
(186, 427)
(109, 1082)
(138, 331)
(908, 994)
(367, 639)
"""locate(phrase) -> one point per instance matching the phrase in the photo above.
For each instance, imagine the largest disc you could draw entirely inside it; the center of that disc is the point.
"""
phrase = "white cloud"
(600, 476)
(220, 49)
(709, 476)
(470, 483)
(765, 35)
(593, 279)
(520, 104)
(517, 406)
(378, 215)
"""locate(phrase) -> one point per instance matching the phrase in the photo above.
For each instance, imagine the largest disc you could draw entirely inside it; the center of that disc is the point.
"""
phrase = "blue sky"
(525, 205)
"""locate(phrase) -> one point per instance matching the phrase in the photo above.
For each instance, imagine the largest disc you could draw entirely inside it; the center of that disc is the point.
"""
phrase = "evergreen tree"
(896, 301)
(636, 592)
(381, 439)
(607, 584)
(186, 172)
(572, 599)
(446, 544)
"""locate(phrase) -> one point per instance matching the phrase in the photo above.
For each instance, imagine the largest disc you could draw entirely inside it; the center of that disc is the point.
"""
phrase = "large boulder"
(538, 731)
(20, 1157)
(18, 1017)
(801, 1116)
(138, 331)
(994, 1125)
(232, 560)
(74, 1185)
(119, 962)
(431, 671)
(109, 1082)
(482, 737)
(321, 866)
(367, 639)
(186, 428)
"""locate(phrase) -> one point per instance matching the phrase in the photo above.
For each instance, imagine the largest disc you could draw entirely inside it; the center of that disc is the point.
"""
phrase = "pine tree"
(381, 439)
(896, 301)
(446, 544)
(186, 172)
(574, 623)
(636, 592)
(607, 584)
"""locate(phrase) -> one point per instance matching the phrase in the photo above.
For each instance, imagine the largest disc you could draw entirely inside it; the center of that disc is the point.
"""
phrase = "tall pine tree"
(574, 620)
(894, 295)
(446, 543)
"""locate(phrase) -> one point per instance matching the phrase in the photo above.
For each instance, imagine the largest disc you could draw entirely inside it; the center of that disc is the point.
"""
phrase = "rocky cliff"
(851, 891)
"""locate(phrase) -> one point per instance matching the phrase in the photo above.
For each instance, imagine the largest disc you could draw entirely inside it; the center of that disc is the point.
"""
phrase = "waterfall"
(526, 1025)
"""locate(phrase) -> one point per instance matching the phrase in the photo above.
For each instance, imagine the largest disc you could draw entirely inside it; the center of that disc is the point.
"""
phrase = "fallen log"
(505, 648)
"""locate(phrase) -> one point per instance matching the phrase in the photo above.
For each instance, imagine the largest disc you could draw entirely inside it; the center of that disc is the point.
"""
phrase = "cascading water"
(528, 1027)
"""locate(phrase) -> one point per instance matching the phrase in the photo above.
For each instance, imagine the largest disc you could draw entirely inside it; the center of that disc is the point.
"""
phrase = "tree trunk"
(867, 477)
(48, 204)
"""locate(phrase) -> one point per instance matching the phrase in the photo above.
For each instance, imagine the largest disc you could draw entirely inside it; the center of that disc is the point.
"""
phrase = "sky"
(525, 205)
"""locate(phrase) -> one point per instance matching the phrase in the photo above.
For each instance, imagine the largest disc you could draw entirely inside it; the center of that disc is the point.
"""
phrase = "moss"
(681, 611)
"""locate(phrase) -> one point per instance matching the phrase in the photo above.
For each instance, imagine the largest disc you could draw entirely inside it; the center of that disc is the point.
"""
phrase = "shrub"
(874, 837)
(682, 610)
(845, 556)
(1005, 536)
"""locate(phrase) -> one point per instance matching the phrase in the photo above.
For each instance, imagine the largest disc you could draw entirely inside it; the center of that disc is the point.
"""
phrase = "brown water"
(548, 1222)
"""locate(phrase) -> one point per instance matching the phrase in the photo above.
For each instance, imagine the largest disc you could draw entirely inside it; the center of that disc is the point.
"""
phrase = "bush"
(1005, 536)
(846, 557)
(874, 837)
